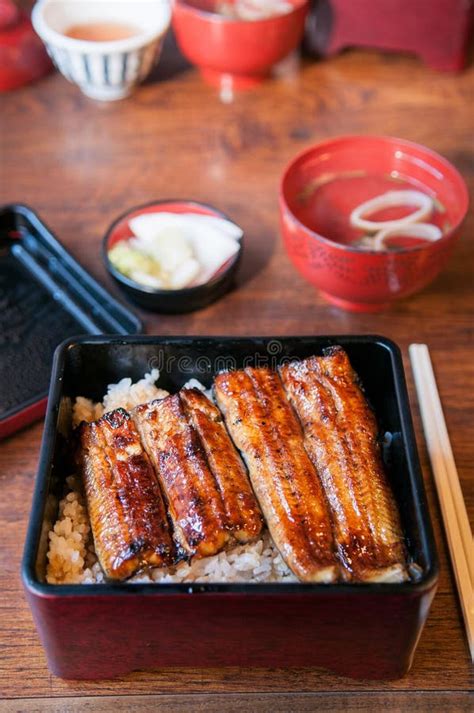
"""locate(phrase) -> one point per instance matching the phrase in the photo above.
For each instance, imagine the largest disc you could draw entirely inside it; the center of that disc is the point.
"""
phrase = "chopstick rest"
(453, 508)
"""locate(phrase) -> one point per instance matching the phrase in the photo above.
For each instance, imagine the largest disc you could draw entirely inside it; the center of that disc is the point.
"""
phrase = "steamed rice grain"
(124, 394)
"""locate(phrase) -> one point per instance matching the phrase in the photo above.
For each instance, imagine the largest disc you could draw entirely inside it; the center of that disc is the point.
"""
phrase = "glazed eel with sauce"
(124, 501)
(309, 440)
(164, 482)
(340, 436)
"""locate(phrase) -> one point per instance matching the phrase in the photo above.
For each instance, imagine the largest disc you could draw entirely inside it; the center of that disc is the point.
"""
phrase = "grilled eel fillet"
(265, 429)
(243, 513)
(194, 502)
(126, 509)
(340, 433)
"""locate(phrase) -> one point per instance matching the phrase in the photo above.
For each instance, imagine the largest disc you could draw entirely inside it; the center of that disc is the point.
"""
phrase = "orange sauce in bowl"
(101, 31)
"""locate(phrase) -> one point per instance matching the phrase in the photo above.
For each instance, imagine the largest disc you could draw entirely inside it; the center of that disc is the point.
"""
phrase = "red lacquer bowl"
(23, 57)
(321, 187)
(232, 53)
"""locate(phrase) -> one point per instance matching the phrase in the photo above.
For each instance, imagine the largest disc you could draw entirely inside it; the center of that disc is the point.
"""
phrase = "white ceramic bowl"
(103, 70)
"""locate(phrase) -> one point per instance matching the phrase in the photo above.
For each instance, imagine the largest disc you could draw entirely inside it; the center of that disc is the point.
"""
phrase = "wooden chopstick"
(453, 508)
(449, 462)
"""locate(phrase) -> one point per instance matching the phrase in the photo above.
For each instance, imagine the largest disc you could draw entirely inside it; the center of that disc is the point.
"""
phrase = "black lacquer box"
(365, 631)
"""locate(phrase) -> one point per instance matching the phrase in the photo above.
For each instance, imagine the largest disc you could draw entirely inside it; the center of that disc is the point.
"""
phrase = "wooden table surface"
(80, 164)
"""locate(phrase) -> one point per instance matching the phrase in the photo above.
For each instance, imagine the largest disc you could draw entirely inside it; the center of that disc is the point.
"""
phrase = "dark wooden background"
(80, 164)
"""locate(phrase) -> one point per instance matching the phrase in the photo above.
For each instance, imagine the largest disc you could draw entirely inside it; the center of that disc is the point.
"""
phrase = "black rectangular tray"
(45, 297)
(360, 630)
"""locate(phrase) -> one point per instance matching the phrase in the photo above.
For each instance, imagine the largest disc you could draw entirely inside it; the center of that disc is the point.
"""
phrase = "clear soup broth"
(326, 203)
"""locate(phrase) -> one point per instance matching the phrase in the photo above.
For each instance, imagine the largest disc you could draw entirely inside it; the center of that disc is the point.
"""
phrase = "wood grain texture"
(80, 164)
(451, 702)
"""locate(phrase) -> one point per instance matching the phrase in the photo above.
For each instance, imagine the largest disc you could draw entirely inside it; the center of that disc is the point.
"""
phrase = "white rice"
(195, 384)
(258, 561)
(71, 552)
(71, 555)
(124, 394)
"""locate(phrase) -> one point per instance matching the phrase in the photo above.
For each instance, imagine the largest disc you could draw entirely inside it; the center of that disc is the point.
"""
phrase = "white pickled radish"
(169, 247)
(185, 274)
(216, 222)
(426, 231)
(212, 249)
(143, 278)
(226, 225)
(189, 248)
(147, 225)
(390, 199)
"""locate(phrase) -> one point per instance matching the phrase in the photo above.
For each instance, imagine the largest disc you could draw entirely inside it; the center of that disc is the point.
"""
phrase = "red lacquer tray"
(45, 297)
(366, 631)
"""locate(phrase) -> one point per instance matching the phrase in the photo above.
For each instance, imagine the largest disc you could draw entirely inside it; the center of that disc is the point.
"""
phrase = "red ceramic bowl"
(234, 53)
(23, 57)
(321, 187)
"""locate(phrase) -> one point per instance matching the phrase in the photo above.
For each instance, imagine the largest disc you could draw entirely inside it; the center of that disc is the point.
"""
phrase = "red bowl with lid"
(322, 186)
(235, 53)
